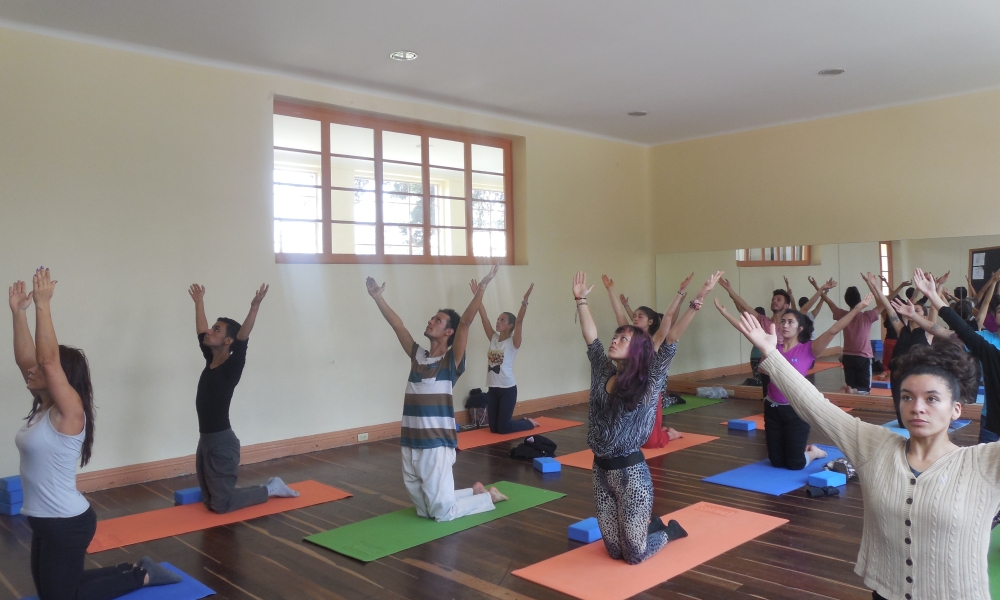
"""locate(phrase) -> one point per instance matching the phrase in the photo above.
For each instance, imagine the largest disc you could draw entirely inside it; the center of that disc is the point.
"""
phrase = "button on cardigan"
(924, 538)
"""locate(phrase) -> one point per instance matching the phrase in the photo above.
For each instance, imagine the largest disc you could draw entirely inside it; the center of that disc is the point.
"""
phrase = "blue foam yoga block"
(880, 384)
(10, 509)
(742, 425)
(547, 465)
(188, 496)
(585, 531)
(15, 497)
(827, 479)
(10, 484)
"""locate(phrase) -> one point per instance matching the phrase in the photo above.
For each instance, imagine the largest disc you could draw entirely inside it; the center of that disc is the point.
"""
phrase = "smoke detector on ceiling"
(403, 55)
(830, 72)
(637, 113)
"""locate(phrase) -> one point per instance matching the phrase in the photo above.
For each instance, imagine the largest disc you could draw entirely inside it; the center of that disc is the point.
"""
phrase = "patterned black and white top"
(614, 435)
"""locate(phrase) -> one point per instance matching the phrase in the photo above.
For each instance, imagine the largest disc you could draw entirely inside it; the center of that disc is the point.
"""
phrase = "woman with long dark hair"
(625, 385)
(58, 432)
(786, 433)
(928, 502)
(650, 321)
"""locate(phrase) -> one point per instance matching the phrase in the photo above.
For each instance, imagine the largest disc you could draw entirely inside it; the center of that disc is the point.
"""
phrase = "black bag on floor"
(475, 405)
(534, 447)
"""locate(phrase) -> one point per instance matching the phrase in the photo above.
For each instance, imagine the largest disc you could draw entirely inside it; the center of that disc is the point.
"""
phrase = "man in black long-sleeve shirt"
(217, 459)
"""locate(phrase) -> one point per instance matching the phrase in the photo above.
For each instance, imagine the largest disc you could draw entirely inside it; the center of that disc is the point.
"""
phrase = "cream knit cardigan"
(925, 538)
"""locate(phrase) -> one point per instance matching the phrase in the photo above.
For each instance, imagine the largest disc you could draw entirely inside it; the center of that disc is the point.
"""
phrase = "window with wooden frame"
(352, 188)
(775, 256)
(885, 266)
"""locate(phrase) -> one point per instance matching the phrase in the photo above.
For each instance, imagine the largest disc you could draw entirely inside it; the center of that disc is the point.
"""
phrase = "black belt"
(620, 462)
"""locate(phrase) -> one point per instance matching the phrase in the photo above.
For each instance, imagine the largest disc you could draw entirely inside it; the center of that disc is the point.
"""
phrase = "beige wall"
(132, 176)
(938, 256)
(916, 171)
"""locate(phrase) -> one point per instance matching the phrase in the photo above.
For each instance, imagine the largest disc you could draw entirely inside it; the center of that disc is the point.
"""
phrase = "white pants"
(428, 478)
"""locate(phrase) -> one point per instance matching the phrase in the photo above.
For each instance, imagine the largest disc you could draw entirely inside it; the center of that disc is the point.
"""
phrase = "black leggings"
(58, 550)
(786, 435)
(857, 372)
(500, 408)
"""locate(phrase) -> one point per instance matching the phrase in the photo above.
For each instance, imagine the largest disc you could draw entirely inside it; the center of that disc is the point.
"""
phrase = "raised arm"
(820, 293)
(741, 304)
(898, 289)
(909, 311)
(820, 343)
(678, 328)
(580, 293)
(984, 299)
(462, 333)
(883, 302)
(198, 295)
(618, 309)
(404, 337)
(24, 346)
(487, 327)
(628, 309)
(674, 309)
(977, 345)
(247, 326)
(832, 284)
(788, 288)
(520, 317)
(71, 419)
(734, 321)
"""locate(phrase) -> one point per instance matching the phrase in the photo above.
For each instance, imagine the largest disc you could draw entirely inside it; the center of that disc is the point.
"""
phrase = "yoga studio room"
(500, 300)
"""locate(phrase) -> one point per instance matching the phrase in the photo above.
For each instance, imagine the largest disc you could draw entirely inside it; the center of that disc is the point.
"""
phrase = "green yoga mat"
(993, 562)
(691, 402)
(381, 536)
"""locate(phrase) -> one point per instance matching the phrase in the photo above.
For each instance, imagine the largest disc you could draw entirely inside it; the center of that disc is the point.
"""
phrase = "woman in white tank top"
(59, 432)
(505, 341)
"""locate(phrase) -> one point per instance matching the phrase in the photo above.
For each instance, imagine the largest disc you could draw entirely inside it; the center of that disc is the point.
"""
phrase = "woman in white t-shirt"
(505, 341)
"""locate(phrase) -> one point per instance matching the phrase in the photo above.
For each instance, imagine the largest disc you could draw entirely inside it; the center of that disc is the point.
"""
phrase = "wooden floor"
(810, 557)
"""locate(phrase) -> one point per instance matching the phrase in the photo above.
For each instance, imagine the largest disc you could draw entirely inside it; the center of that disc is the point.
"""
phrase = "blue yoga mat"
(187, 589)
(894, 427)
(762, 477)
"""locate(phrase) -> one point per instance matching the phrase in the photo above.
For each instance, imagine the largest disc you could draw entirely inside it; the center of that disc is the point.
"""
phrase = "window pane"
(352, 206)
(489, 215)
(401, 178)
(448, 242)
(400, 146)
(356, 141)
(296, 167)
(447, 153)
(295, 202)
(741, 254)
(353, 239)
(298, 236)
(352, 173)
(404, 240)
(885, 264)
(756, 254)
(445, 211)
(401, 208)
(445, 182)
(292, 132)
(487, 187)
(487, 158)
(489, 243)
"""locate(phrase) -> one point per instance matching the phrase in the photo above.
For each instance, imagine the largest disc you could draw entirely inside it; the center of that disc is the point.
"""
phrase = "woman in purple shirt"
(786, 432)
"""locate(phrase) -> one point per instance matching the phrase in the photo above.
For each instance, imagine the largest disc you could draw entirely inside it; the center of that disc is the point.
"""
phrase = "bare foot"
(814, 452)
(496, 496)
(672, 433)
(534, 422)
(478, 488)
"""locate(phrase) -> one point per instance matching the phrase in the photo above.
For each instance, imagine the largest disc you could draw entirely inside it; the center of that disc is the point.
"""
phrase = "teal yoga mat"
(381, 536)
(691, 403)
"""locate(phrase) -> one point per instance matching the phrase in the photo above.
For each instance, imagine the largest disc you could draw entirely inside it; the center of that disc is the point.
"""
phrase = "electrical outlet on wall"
(362, 437)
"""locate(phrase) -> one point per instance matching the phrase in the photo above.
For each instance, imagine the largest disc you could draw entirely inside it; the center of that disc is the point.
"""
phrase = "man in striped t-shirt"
(428, 437)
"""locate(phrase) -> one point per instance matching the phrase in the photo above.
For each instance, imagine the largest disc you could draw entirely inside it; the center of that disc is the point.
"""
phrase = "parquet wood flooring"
(811, 557)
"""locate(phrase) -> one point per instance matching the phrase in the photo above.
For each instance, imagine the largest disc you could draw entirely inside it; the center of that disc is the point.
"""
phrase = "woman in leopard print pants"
(625, 385)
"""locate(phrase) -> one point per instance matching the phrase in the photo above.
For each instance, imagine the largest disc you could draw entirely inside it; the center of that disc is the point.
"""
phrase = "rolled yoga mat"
(187, 589)
(762, 477)
(177, 520)
(584, 459)
(485, 437)
(590, 574)
(387, 534)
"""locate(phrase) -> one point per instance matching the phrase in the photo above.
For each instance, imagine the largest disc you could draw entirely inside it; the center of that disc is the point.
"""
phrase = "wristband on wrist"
(695, 304)
(580, 297)
(524, 303)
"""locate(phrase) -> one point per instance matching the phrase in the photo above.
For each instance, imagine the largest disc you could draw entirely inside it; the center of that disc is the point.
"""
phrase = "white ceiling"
(699, 67)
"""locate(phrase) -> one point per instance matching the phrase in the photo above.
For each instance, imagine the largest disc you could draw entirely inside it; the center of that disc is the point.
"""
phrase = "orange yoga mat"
(823, 366)
(886, 392)
(484, 437)
(589, 572)
(177, 520)
(584, 459)
(759, 419)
